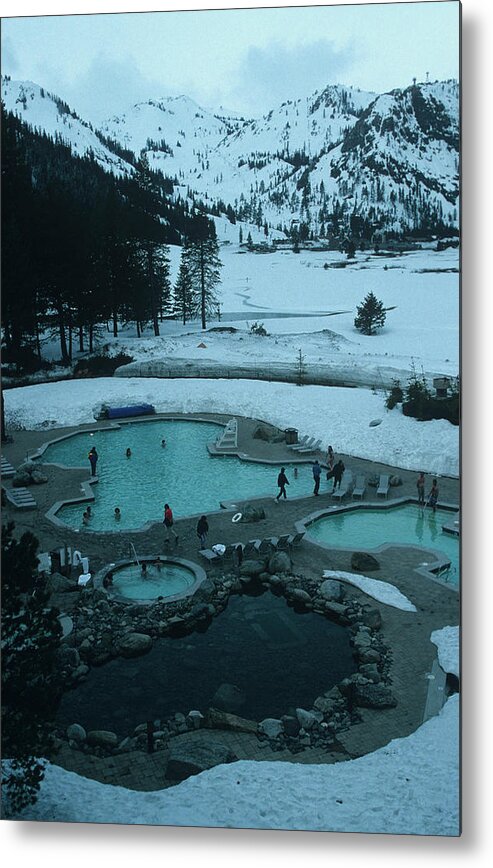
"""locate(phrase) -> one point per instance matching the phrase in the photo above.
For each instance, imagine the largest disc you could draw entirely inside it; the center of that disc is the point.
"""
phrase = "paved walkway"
(408, 634)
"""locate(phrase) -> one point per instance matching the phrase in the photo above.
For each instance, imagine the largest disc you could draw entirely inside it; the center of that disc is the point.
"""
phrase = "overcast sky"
(247, 60)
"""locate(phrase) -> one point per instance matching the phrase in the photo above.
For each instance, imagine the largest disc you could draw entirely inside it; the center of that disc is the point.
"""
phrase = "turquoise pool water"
(368, 528)
(167, 580)
(182, 474)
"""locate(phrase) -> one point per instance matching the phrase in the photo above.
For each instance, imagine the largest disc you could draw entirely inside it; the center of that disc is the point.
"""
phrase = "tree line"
(82, 248)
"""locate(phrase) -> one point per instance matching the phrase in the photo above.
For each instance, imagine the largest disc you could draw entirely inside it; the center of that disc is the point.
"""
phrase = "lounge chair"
(299, 444)
(346, 483)
(209, 555)
(297, 447)
(359, 488)
(383, 485)
(264, 545)
(295, 539)
(250, 549)
(281, 542)
(313, 448)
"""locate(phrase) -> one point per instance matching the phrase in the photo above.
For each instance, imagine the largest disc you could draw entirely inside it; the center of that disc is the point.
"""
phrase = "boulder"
(134, 644)
(370, 671)
(300, 596)
(307, 719)
(371, 617)
(252, 513)
(58, 584)
(337, 609)
(223, 720)
(394, 481)
(369, 655)
(76, 732)
(373, 480)
(279, 562)
(67, 656)
(363, 562)
(38, 478)
(21, 479)
(290, 725)
(373, 696)
(193, 758)
(271, 727)
(102, 738)
(195, 718)
(252, 568)
(330, 589)
(228, 697)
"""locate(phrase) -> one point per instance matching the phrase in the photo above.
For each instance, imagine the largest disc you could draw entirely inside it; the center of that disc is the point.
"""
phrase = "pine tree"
(31, 687)
(201, 256)
(241, 236)
(183, 295)
(370, 315)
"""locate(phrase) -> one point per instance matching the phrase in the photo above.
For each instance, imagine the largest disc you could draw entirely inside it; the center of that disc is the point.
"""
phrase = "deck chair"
(299, 444)
(249, 548)
(295, 539)
(281, 542)
(359, 488)
(346, 483)
(307, 444)
(228, 551)
(313, 448)
(209, 555)
(383, 485)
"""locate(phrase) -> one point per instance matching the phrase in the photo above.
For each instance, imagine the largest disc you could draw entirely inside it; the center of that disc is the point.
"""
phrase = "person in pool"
(118, 513)
(128, 453)
(143, 569)
(163, 442)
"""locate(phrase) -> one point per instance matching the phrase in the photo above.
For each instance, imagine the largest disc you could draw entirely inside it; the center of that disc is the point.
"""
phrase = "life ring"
(236, 517)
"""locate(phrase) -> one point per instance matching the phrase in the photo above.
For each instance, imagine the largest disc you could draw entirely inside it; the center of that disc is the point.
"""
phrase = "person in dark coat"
(202, 530)
(93, 460)
(316, 470)
(282, 481)
(338, 473)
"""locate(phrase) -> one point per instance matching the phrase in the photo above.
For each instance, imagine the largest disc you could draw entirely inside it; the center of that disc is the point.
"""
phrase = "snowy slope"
(49, 114)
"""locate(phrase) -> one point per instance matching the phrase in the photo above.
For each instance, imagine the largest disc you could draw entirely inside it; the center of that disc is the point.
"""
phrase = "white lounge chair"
(345, 486)
(313, 448)
(383, 485)
(359, 488)
(299, 444)
(295, 539)
(300, 447)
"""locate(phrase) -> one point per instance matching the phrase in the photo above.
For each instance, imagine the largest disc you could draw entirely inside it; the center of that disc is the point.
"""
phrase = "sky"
(245, 60)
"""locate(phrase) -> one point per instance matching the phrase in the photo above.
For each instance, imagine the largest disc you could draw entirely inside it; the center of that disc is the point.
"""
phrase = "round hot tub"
(151, 578)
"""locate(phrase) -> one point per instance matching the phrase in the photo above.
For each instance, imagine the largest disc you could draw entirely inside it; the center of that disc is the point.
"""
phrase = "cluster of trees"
(82, 247)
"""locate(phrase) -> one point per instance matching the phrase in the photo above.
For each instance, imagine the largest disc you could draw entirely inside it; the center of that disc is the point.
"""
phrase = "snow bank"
(447, 642)
(410, 786)
(337, 416)
(384, 592)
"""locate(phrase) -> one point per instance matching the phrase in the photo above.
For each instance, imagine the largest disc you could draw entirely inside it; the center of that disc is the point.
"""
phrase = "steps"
(21, 498)
(6, 468)
(227, 441)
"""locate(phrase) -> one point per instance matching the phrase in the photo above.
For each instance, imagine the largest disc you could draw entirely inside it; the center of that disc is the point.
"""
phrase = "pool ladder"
(132, 549)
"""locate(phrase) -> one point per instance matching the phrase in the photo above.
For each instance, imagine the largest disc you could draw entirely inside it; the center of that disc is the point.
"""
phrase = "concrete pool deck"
(408, 634)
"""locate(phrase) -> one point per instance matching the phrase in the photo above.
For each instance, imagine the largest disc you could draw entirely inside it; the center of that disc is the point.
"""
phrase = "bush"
(101, 365)
(422, 405)
(257, 328)
(25, 360)
(396, 395)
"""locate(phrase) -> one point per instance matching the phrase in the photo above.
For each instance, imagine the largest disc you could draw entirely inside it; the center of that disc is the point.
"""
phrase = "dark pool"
(280, 660)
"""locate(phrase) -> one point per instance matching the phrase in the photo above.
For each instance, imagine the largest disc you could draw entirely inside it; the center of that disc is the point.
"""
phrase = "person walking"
(282, 481)
(338, 474)
(316, 470)
(420, 485)
(93, 460)
(202, 530)
(330, 458)
(168, 523)
(433, 495)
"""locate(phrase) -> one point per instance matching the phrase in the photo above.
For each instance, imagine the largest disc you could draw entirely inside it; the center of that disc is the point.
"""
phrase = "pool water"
(167, 580)
(278, 658)
(407, 524)
(182, 474)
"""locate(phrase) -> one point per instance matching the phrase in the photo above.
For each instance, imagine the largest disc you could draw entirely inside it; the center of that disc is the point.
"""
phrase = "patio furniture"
(383, 485)
(344, 488)
(295, 539)
(359, 488)
(299, 444)
(313, 448)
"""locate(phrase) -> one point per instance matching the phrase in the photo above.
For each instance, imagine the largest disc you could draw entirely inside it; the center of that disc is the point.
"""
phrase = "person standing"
(420, 485)
(316, 470)
(168, 523)
(202, 530)
(338, 474)
(330, 458)
(93, 460)
(433, 495)
(282, 481)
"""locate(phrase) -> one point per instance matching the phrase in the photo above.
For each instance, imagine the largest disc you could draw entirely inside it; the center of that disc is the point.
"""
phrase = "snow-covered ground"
(337, 416)
(384, 592)
(408, 787)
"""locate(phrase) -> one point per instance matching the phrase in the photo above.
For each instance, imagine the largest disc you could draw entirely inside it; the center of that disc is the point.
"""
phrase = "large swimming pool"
(182, 474)
(407, 524)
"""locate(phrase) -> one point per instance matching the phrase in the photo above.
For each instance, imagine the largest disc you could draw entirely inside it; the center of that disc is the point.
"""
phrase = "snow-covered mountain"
(339, 159)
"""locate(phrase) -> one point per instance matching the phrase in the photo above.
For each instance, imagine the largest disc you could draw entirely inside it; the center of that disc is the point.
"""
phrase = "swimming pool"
(151, 578)
(182, 474)
(402, 524)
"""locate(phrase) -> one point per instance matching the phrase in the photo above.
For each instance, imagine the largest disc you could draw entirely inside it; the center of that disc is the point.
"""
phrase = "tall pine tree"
(201, 257)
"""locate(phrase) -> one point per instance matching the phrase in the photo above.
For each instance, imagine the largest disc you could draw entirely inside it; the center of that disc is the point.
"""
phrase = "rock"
(271, 727)
(370, 671)
(128, 744)
(191, 759)
(362, 639)
(369, 655)
(195, 718)
(330, 589)
(336, 609)
(373, 480)
(80, 671)
(27, 467)
(324, 704)
(102, 738)
(371, 617)
(363, 562)
(275, 581)
(200, 611)
(38, 478)
(58, 584)
(290, 725)
(252, 513)
(394, 481)
(76, 732)
(373, 696)
(374, 423)
(222, 720)
(279, 562)
(228, 697)
(252, 568)
(300, 595)
(68, 656)
(307, 719)
(134, 644)
(21, 479)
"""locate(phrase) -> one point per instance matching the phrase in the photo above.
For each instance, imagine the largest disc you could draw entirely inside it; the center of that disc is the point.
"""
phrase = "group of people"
(335, 471)
(432, 496)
